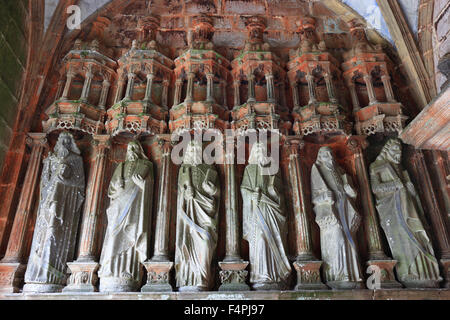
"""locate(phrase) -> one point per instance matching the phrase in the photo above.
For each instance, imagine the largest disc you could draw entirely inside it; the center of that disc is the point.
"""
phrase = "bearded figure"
(400, 209)
(264, 225)
(61, 199)
(333, 198)
(197, 214)
(126, 240)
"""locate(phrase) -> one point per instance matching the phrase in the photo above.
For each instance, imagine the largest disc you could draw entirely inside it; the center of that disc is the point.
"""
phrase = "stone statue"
(126, 240)
(336, 215)
(61, 199)
(197, 214)
(264, 223)
(400, 209)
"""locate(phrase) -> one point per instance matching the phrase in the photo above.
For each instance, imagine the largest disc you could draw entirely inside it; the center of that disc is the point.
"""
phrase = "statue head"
(65, 145)
(392, 151)
(325, 157)
(193, 154)
(135, 151)
(258, 155)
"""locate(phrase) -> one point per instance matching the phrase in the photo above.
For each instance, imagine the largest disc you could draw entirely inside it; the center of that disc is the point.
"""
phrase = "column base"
(233, 276)
(308, 275)
(446, 272)
(42, 288)
(158, 276)
(345, 285)
(118, 285)
(387, 280)
(419, 284)
(11, 277)
(83, 278)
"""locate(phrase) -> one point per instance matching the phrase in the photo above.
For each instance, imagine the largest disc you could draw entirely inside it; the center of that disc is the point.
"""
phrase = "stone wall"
(13, 53)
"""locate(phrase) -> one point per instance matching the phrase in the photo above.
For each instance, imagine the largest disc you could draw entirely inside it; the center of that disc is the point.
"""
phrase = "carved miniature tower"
(259, 84)
(83, 91)
(314, 76)
(367, 72)
(201, 79)
(141, 101)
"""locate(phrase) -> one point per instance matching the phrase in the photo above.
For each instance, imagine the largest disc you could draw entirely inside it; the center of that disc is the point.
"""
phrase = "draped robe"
(62, 196)
(126, 240)
(265, 227)
(196, 237)
(338, 221)
(399, 210)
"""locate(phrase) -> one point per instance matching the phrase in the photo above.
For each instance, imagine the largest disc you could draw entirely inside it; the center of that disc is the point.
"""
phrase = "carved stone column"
(87, 84)
(84, 269)
(330, 88)
(130, 86)
(177, 96)
(60, 89)
(306, 264)
(388, 88)
(233, 275)
(159, 266)
(354, 95)
(295, 96)
(377, 256)
(190, 87)
(69, 79)
(104, 94)
(165, 94)
(237, 95)
(12, 267)
(311, 88)
(251, 88)
(148, 89)
(439, 225)
(370, 90)
(223, 86)
(210, 87)
(119, 91)
(270, 87)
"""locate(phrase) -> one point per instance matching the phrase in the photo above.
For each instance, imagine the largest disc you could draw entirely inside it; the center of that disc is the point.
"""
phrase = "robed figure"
(333, 198)
(126, 240)
(197, 214)
(61, 199)
(400, 210)
(264, 223)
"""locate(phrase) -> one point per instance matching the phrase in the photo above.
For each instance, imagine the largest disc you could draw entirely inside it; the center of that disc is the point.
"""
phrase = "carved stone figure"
(62, 195)
(197, 214)
(336, 215)
(264, 224)
(400, 209)
(126, 240)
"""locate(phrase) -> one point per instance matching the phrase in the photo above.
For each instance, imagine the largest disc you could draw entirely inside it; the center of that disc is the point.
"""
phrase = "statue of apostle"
(264, 224)
(399, 209)
(197, 214)
(126, 239)
(62, 196)
(336, 215)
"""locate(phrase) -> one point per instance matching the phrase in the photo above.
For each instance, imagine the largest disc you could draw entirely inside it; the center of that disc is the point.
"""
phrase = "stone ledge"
(386, 294)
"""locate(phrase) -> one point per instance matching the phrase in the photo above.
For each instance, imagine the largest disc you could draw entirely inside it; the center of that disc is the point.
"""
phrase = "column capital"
(131, 75)
(179, 81)
(102, 140)
(150, 76)
(166, 82)
(166, 147)
(37, 139)
(106, 83)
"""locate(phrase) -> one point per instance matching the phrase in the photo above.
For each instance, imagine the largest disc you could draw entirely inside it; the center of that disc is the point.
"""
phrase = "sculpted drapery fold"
(61, 198)
(264, 223)
(400, 209)
(333, 198)
(126, 241)
(197, 215)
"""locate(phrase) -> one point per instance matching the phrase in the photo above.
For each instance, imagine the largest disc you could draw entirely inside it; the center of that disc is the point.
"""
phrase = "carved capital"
(37, 139)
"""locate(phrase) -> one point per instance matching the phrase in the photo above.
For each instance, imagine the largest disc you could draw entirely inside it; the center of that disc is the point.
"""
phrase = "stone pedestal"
(83, 278)
(446, 272)
(233, 276)
(11, 277)
(42, 288)
(387, 280)
(158, 276)
(308, 275)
